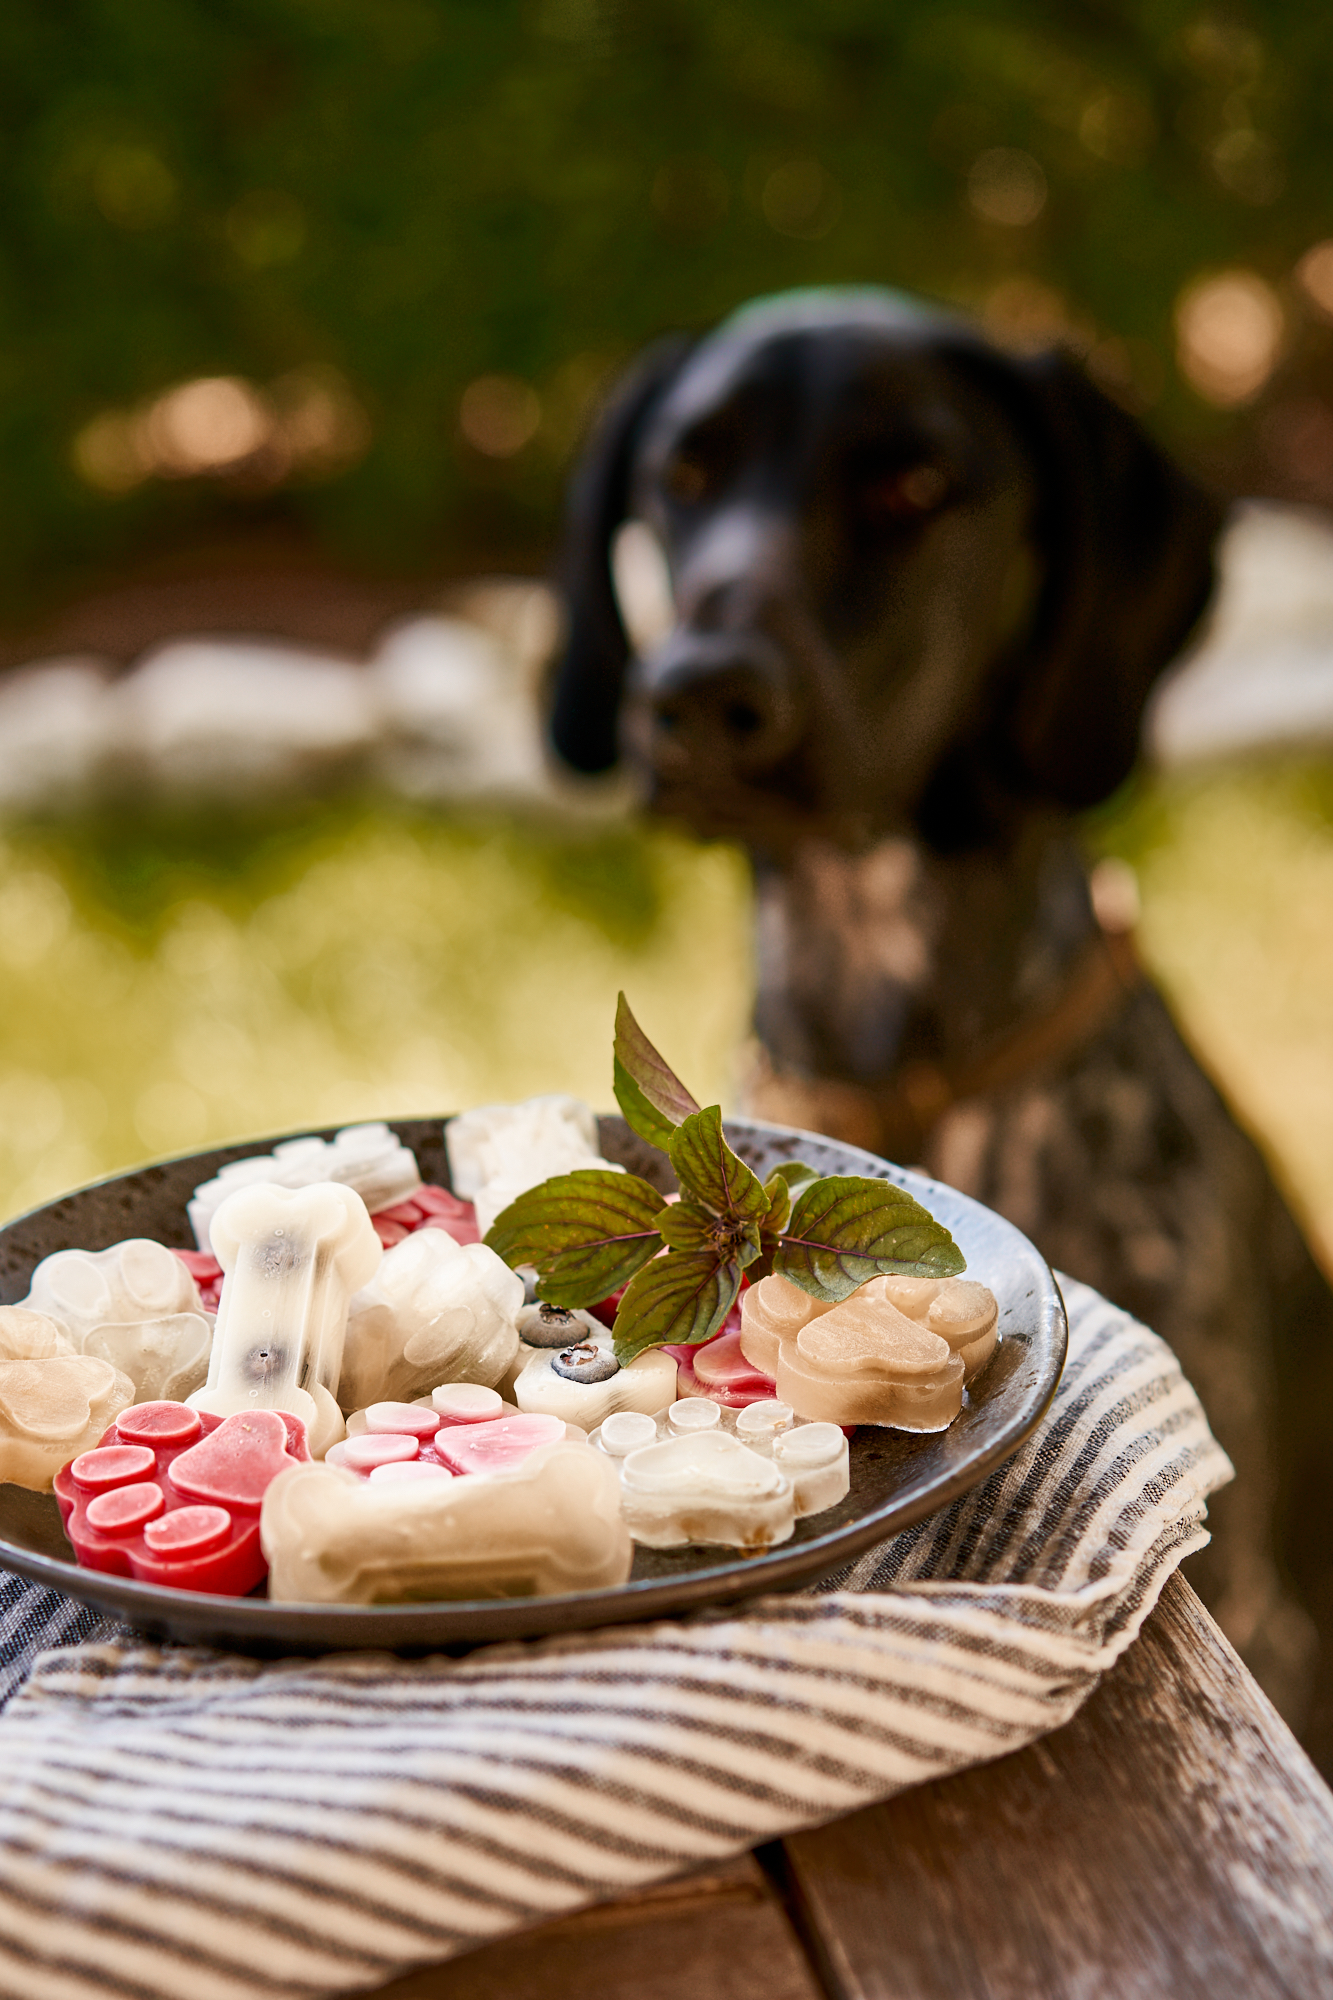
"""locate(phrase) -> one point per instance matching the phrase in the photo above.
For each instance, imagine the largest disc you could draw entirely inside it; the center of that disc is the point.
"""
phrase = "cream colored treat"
(134, 1305)
(434, 1311)
(625, 1431)
(705, 1487)
(499, 1151)
(291, 1258)
(647, 1384)
(54, 1403)
(772, 1311)
(760, 1424)
(369, 1158)
(962, 1312)
(815, 1459)
(542, 1326)
(553, 1525)
(865, 1362)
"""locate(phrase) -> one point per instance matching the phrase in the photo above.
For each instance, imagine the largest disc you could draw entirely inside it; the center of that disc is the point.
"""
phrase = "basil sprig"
(591, 1232)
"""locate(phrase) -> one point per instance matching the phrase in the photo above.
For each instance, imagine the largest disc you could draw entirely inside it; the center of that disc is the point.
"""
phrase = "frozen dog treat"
(814, 1458)
(172, 1495)
(759, 1424)
(434, 1311)
(553, 1524)
(865, 1362)
(719, 1370)
(963, 1313)
(292, 1257)
(134, 1305)
(772, 1311)
(54, 1403)
(583, 1383)
(705, 1487)
(499, 1151)
(417, 1433)
(369, 1158)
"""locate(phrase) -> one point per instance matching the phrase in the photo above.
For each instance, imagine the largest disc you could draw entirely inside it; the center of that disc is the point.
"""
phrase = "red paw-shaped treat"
(172, 1495)
(427, 1208)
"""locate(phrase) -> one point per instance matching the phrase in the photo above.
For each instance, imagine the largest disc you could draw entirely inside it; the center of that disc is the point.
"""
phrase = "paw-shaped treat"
(772, 1311)
(435, 1310)
(865, 1362)
(720, 1370)
(439, 1441)
(962, 1312)
(582, 1382)
(705, 1486)
(427, 1207)
(53, 1401)
(551, 1524)
(292, 1258)
(135, 1305)
(172, 1495)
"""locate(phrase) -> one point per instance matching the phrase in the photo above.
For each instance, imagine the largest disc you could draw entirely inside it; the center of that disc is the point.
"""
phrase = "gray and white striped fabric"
(188, 1824)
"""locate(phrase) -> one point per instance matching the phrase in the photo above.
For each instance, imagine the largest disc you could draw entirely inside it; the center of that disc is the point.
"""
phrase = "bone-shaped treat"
(134, 1305)
(705, 1486)
(552, 1525)
(54, 1403)
(499, 1151)
(369, 1158)
(291, 1258)
(434, 1311)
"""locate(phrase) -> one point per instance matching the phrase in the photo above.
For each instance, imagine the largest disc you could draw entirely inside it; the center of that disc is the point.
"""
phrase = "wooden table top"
(1172, 1840)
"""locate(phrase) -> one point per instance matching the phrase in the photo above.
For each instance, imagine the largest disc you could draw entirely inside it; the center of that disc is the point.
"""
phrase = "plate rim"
(256, 1625)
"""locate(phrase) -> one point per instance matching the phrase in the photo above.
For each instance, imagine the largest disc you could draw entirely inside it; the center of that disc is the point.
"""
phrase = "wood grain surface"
(1172, 1841)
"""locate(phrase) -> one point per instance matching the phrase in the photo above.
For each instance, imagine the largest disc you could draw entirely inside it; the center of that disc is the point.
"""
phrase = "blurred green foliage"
(416, 193)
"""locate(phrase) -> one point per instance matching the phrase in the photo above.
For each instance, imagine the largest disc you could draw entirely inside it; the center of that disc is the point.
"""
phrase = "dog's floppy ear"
(588, 682)
(1127, 540)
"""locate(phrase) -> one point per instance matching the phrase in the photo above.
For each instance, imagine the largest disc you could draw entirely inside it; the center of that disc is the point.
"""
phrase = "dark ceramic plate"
(897, 1478)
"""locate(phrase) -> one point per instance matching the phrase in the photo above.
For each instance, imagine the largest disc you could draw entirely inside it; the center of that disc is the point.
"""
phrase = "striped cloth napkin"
(178, 1824)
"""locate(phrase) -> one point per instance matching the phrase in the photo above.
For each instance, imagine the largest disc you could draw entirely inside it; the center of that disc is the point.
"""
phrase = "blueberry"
(541, 1325)
(586, 1363)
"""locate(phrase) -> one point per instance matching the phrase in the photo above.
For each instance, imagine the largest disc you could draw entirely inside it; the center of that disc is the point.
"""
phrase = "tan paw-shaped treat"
(134, 1305)
(964, 1313)
(552, 1525)
(435, 1311)
(865, 1362)
(772, 1311)
(583, 1383)
(54, 1403)
(705, 1487)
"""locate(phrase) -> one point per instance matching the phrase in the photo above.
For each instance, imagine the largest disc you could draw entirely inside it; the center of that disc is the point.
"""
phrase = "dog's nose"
(714, 702)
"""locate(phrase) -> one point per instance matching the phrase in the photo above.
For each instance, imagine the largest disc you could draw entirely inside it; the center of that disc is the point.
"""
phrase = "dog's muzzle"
(706, 708)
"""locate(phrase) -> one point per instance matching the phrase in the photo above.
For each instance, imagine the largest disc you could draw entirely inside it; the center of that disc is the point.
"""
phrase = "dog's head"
(916, 580)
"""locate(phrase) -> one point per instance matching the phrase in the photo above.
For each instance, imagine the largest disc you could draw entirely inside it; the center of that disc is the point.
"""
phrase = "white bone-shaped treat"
(549, 1382)
(705, 1486)
(369, 1158)
(499, 1151)
(435, 1311)
(134, 1305)
(54, 1402)
(552, 1525)
(291, 1260)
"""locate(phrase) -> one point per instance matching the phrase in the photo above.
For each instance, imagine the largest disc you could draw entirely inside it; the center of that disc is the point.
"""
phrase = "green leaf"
(794, 1174)
(586, 1232)
(845, 1230)
(648, 1091)
(707, 1168)
(681, 1298)
(688, 1225)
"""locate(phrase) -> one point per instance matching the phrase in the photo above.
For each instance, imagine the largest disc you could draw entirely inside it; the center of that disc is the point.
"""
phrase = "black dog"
(922, 591)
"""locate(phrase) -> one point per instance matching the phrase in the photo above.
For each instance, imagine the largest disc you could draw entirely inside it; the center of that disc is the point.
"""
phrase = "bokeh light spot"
(800, 198)
(499, 414)
(1007, 186)
(1229, 332)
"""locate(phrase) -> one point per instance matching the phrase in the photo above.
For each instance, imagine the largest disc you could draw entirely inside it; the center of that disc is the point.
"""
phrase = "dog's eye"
(686, 479)
(906, 494)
